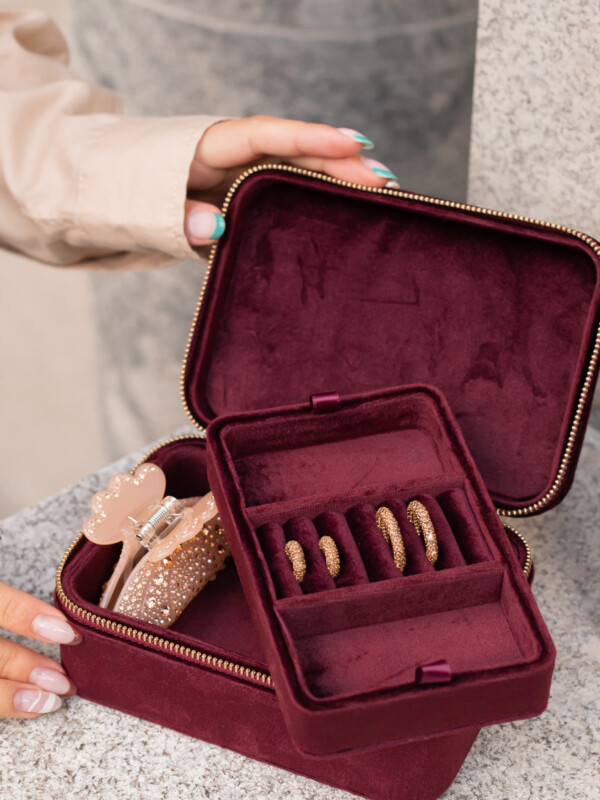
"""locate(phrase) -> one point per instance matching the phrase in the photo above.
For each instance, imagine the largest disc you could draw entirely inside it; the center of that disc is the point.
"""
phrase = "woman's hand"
(31, 684)
(228, 148)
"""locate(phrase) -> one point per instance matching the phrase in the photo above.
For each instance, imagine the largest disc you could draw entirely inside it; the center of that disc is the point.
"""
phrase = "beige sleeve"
(80, 183)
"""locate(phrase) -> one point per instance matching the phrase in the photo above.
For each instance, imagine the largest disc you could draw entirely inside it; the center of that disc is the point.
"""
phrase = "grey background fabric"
(400, 71)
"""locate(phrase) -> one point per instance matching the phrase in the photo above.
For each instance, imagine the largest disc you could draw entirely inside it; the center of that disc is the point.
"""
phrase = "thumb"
(203, 223)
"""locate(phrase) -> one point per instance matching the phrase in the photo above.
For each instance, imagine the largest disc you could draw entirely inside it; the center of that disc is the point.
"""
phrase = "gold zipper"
(433, 201)
(527, 566)
(159, 642)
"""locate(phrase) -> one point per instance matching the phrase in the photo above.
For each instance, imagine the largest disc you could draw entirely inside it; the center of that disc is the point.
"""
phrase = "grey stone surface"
(535, 148)
(399, 71)
(87, 751)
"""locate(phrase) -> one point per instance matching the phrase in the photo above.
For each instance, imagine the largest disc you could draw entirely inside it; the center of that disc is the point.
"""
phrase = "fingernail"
(379, 169)
(392, 185)
(204, 225)
(36, 702)
(55, 629)
(50, 679)
(367, 144)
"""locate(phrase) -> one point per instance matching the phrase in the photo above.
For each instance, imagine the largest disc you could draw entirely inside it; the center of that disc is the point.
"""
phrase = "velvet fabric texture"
(201, 699)
(317, 287)
(347, 658)
(241, 716)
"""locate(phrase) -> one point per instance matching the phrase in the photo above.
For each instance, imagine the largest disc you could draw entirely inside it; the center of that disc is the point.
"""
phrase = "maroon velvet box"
(377, 655)
(317, 286)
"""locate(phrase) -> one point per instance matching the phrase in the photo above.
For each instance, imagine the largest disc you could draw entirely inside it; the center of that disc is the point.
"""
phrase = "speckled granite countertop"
(88, 751)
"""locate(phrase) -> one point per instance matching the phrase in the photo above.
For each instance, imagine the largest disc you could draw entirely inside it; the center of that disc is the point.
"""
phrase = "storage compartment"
(373, 638)
(291, 460)
(376, 641)
(218, 619)
(364, 554)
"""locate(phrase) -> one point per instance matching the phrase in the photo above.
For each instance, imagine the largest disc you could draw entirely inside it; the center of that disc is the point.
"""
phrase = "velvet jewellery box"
(355, 347)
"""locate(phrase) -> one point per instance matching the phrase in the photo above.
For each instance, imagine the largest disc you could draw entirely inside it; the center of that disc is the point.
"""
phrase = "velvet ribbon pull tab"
(436, 672)
(324, 402)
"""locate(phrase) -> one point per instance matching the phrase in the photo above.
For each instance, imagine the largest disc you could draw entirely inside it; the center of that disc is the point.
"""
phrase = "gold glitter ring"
(422, 522)
(388, 525)
(295, 554)
(332, 557)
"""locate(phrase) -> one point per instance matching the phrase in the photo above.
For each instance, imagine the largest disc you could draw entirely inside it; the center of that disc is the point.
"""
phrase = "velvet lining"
(356, 642)
(346, 656)
(317, 287)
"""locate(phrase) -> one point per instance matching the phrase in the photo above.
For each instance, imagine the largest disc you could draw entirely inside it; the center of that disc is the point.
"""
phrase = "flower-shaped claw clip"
(170, 548)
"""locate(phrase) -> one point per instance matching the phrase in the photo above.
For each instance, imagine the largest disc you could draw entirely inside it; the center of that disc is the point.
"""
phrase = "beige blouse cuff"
(80, 183)
(132, 187)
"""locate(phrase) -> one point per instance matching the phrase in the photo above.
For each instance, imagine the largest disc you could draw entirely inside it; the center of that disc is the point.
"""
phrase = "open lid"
(318, 285)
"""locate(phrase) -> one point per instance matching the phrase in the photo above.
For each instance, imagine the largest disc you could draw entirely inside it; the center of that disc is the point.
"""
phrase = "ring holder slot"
(374, 551)
(272, 540)
(303, 530)
(416, 560)
(459, 513)
(450, 554)
(365, 555)
(352, 568)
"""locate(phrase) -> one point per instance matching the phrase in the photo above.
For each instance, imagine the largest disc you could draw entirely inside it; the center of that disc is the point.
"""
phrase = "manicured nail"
(392, 185)
(55, 629)
(379, 169)
(50, 679)
(33, 701)
(366, 143)
(204, 225)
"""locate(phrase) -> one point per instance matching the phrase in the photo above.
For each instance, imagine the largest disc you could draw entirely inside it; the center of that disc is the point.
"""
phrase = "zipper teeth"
(162, 643)
(528, 565)
(432, 201)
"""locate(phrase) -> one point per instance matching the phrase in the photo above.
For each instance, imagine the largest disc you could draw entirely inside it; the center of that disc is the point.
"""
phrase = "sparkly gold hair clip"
(170, 548)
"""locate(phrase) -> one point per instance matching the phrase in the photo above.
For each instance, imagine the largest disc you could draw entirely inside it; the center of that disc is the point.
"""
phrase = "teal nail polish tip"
(384, 173)
(219, 227)
(366, 143)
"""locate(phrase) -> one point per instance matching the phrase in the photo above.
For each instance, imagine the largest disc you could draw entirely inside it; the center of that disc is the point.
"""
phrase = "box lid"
(321, 285)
